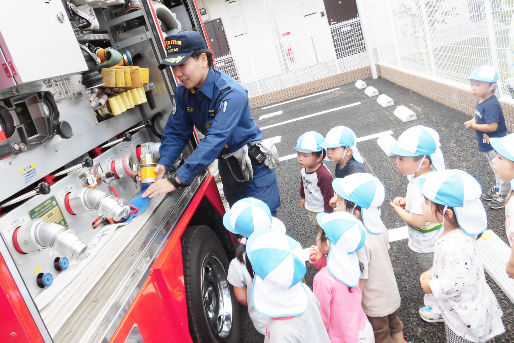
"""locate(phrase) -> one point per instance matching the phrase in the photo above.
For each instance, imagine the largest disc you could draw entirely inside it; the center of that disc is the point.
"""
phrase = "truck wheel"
(213, 311)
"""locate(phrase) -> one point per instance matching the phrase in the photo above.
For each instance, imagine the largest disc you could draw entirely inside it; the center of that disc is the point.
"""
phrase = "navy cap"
(180, 46)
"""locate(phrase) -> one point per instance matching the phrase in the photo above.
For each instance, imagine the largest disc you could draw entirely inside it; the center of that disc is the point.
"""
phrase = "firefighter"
(218, 107)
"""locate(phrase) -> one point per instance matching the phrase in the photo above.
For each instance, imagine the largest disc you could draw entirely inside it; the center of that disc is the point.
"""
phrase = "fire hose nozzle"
(38, 234)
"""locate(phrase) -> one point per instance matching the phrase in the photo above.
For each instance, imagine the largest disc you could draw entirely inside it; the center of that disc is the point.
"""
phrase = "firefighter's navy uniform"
(219, 110)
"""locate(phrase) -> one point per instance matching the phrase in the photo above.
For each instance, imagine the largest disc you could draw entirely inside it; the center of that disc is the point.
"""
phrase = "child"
(341, 146)
(362, 194)
(488, 122)
(418, 153)
(279, 293)
(246, 216)
(457, 281)
(503, 166)
(316, 180)
(335, 285)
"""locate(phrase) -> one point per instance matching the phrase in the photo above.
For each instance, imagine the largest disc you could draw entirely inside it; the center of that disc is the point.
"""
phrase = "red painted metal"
(16, 323)
(15, 243)
(167, 281)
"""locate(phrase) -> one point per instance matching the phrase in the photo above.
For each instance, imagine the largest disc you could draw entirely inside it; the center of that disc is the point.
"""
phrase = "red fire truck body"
(124, 269)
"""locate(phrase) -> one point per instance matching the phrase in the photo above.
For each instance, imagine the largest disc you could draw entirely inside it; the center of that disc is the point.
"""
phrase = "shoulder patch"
(223, 106)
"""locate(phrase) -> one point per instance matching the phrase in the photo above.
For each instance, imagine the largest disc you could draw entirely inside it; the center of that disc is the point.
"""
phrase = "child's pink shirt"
(341, 310)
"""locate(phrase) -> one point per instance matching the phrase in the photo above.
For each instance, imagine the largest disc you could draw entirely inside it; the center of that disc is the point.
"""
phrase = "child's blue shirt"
(486, 112)
(351, 167)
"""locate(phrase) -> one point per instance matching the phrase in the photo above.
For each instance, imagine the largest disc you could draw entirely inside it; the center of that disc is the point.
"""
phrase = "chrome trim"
(151, 239)
(216, 298)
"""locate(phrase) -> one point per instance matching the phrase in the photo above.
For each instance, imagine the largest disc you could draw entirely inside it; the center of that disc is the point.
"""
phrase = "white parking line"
(303, 97)
(398, 234)
(375, 135)
(269, 115)
(272, 140)
(310, 115)
(360, 139)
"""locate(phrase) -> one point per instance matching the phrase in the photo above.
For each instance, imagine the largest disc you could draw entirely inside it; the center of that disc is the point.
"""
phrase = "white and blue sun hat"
(505, 147)
(346, 235)
(366, 191)
(277, 261)
(248, 215)
(459, 190)
(342, 136)
(485, 73)
(420, 140)
(310, 141)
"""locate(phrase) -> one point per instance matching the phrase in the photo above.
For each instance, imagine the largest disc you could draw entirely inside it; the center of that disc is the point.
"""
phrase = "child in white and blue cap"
(503, 166)
(247, 216)
(279, 293)
(418, 153)
(488, 121)
(336, 285)
(316, 180)
(341, 145)
(362, 194)
(457, 280)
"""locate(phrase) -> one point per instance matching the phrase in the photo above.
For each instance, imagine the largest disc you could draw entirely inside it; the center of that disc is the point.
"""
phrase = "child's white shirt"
(238, 276)
(509, 216)
(315, 187)
(420, 242)
(306, 327)
(467, 303)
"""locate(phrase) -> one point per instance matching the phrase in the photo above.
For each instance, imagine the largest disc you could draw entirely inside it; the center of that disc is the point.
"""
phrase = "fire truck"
(83, 257)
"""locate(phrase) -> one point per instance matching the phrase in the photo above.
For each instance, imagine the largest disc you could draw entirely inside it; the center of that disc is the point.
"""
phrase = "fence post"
(367, 40)
(492, 39)
(393, 30)
(428, 39)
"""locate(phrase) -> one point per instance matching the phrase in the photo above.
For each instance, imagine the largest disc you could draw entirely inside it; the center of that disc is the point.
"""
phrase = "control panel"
(49, 233)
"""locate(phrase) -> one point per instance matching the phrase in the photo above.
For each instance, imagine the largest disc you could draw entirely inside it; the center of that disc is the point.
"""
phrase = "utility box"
(47, 50)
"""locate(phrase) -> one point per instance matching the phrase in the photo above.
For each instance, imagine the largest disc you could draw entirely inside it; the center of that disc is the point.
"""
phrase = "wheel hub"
(216, 299)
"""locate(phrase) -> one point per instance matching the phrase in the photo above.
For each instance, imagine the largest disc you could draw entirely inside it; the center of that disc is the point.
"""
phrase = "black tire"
(205, 272)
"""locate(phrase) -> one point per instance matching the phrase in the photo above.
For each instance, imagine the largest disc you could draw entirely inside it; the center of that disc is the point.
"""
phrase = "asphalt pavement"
(366, 117)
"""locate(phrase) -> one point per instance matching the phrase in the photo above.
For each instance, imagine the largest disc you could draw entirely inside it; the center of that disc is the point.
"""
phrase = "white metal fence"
(441, 39)
(293, 61)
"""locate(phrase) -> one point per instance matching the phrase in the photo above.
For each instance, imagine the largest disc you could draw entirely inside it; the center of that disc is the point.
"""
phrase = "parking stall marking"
(303, 97)
(310, 116)
(269, 115)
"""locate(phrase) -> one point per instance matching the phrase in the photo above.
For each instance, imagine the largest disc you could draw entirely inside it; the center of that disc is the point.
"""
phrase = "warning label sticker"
(49, 211)
(29, 174)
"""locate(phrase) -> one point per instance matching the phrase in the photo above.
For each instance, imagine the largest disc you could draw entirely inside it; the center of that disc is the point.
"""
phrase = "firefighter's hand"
(159, 171)
(159, 187)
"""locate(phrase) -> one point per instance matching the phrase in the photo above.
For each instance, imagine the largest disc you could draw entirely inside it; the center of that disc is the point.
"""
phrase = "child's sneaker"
(490, 194)
(497, 202)
(428, 315)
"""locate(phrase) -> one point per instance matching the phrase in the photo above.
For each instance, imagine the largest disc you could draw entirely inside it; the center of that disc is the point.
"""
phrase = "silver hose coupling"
(38, 234)
(151, 148)
(95, 200)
